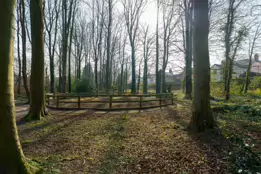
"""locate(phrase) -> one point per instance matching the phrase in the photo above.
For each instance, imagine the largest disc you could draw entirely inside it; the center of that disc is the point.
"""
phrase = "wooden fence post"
(110, 105)
(140, 102)
(79, 101)
(57, 101)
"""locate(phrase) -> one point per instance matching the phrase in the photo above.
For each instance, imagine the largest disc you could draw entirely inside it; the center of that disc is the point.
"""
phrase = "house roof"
(216, 66)
(243, 63)
(168, 74)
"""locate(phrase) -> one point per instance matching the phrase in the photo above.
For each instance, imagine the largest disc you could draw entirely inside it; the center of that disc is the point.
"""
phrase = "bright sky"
(150, 15)
(216, 55)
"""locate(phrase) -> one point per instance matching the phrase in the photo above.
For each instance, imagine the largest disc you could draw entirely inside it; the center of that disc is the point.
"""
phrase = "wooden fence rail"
(55, 100)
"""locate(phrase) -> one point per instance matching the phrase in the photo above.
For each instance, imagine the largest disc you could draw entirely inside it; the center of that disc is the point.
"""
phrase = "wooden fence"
(108, 102)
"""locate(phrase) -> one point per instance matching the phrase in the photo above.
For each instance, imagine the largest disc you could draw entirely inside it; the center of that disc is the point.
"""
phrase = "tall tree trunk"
(12, 159)
(67, 16)
(60, 74)
(133, 68)
(230, 71)
(138, 85)
(69, 58)
(108, 61)
(247, 80)
(52, 48)
(99, 56)
(163, 75)
(18, 51)
(24, 63)
(51, 57)
(229, 27)
(37, 105)
(126, 79)
(145, 78)
(157, 52)
(164, 61)
(188, 51)
(122, 79)
(256, 57)
(145, 72)
(202, 118)
(241, 35)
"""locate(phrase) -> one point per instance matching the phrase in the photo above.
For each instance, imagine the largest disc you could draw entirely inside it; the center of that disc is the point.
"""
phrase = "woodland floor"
(151, 141)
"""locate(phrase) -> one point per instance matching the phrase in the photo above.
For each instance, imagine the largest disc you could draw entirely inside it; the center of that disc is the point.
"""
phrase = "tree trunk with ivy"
(12, 159)
(202, 118)
(37, 104)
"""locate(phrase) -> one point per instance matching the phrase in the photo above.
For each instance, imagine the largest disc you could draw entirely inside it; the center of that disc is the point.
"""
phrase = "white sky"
(150, 15)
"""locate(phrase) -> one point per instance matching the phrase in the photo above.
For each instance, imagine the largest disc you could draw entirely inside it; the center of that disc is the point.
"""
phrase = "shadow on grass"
(70, 120)
(215, 147)
(181, 118)
(211, 143)
(113, 157)
(41, 125)
(66, 117)
(244, 124)
(53, 158)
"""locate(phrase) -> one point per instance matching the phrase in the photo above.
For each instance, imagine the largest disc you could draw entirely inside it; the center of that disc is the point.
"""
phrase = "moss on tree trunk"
(12, 160)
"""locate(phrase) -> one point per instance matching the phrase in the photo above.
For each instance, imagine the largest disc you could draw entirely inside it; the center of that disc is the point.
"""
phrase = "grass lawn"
(152, 141)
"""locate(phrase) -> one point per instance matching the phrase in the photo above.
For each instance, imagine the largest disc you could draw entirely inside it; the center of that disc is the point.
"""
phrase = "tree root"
(188, 96)
(31, 116)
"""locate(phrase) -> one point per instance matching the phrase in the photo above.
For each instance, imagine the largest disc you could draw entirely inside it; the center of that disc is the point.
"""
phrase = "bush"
(236, 88)
(84, 86)
(255, 83)
(217, 89)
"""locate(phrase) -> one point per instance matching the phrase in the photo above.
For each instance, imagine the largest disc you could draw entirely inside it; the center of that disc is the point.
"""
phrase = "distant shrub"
(255, 92)
(84, 86)
(237, 86)
(217, 89)
(255, 83)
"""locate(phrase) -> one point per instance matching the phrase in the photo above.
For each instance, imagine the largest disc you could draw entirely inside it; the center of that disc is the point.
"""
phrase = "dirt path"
(21, 111)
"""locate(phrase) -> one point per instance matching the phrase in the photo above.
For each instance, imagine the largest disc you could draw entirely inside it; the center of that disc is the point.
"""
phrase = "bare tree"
(108, 61)
(188, 10)
(157, 51)
(52, 13)
(18, 47)
(251, 48)
(79, 42)
(132, 13)
(70, 46)
(241, 34)
(148, 41)
(24, 59)
(229, 27)
(67, 10)
(168, 28)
